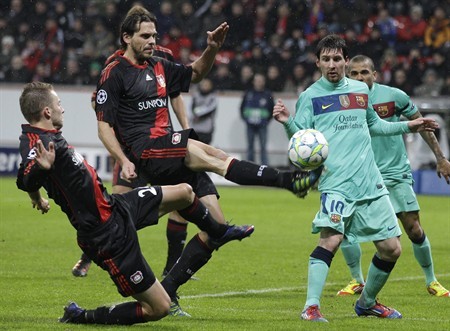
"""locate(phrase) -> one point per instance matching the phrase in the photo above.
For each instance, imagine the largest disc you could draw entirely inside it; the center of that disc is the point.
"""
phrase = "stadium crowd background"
(67, 41)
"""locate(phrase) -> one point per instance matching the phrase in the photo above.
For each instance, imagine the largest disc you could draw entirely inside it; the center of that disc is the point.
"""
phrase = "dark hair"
(332, 41)
(35, 97)
(362, 58)
(131, 24)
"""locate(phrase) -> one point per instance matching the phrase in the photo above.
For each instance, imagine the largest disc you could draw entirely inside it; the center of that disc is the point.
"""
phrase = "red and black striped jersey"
(72, 183)
(134, 98)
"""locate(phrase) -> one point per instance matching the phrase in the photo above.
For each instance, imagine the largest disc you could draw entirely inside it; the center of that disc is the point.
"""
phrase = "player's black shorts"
(165, 164)
(114, 245)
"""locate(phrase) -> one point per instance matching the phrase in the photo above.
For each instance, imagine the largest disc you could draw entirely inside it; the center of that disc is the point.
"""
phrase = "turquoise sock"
(317, 275)
(422, 252)
(376, 279)
(352, 255)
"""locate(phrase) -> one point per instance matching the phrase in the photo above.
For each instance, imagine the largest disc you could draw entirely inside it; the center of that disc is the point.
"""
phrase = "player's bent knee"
(187, 192)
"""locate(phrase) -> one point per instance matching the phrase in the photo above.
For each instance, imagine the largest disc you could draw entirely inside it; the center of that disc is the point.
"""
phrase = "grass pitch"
(257, 284)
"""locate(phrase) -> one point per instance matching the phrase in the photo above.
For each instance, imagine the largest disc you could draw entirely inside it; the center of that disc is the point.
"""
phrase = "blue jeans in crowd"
(261, 132)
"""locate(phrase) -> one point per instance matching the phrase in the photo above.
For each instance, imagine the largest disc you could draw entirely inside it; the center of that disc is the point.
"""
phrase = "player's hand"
(423, 124)
(443, 169)
(128, 172)
(280, 112)
(42, 204)
(44, 158)
(217, 37)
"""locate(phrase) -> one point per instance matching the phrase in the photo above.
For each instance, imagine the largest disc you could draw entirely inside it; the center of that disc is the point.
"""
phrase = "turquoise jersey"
(343, 113)
(390, 152)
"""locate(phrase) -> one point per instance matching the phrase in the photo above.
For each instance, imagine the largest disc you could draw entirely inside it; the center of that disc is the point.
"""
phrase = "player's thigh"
(402, 197)
(375, 220)
(175, 197)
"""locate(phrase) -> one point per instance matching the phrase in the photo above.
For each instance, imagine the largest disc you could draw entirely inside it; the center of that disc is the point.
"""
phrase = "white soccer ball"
(308, 149)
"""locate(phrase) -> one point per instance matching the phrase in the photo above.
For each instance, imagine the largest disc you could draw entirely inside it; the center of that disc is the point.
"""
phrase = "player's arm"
(380, 127)
(109, 140)
(39, 202)
(442, 164)
(283, 116)
(179, 109)
(203, 64)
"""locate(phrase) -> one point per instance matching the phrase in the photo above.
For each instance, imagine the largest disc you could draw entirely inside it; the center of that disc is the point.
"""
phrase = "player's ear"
(46, 113)
(375, 75)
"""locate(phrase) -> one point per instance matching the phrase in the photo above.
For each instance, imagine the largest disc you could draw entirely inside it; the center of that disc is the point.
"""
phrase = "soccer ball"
(308, 149)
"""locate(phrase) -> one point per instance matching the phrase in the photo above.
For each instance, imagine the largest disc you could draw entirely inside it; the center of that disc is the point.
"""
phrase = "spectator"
(274, 80)
(7, 52)
(400, 81)
(75, 37)
(72, 74)
(439, 63)
(166, 18)
(110, 17)
(203, 110)
(437, 33)
(299, 79)
(387, 25)
(38, 17)
(64, 18)
(238, 38)
(410, 30)
(245, 80)
(188, 21)
(175, 40)
(222, 78)
(101, 40)
(17, 73)
(431, 86)
(214, 18)
(296, 42)
(375, 46)
(256, 110)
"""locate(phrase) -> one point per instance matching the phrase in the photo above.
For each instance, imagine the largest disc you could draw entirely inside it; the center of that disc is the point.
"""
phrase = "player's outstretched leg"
(80, 269)
(248, 173)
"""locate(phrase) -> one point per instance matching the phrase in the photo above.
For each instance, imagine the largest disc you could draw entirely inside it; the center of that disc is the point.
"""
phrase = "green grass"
(257, 284)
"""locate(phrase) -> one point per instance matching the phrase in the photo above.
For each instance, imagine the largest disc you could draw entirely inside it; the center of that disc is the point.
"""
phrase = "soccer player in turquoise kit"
(392, 160)
(354, 199)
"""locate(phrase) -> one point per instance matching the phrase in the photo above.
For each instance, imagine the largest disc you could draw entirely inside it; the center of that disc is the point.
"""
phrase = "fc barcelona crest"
(335, 218)
(360, 100)
(344, 100)
(382, 110)
(161, 81)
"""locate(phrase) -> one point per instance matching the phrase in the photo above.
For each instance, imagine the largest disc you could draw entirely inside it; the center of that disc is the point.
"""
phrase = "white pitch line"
(285, 289)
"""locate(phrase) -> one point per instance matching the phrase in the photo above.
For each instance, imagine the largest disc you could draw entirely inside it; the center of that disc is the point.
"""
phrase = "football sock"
(195, 255)
(422, 252)
(84, 257)
(319, 265)
(379, 271)
(176, 234)
(352, 255)
(198, 214)
(127, 313)
(249, 173)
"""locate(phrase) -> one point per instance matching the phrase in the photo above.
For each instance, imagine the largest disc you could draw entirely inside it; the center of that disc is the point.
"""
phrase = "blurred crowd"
(67, 41)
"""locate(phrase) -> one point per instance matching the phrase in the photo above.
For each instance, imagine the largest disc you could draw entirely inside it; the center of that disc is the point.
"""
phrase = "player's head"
(138, 33)
(332, 57)
(39, 101)
(361, 67)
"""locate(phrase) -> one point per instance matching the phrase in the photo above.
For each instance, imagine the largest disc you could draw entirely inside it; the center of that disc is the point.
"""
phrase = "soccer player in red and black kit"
(106, 224)
(134, 125)
(176, 231)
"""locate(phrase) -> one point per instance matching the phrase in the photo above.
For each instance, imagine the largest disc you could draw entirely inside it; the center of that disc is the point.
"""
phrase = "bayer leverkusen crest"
(161, 81)
(176, 138)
